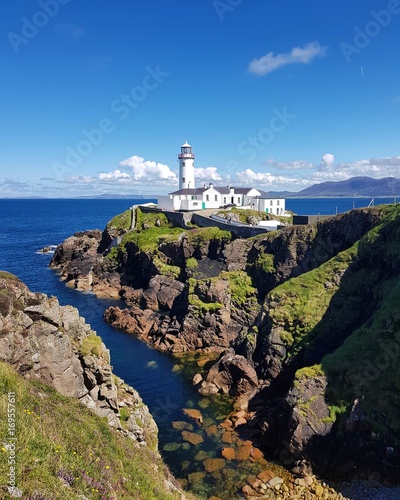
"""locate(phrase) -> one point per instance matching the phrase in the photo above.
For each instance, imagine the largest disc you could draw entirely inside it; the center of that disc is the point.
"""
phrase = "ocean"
(28, 225)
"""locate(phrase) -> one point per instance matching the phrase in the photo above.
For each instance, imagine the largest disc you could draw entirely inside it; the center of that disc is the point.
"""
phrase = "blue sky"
(97, 97)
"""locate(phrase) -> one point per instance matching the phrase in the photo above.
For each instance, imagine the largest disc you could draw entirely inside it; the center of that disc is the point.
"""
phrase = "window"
(271, 203)
(195, 203)
(224, 200)
(277, 202)
(238, 199)
(207, 197)
(216, 197)
(183, 179)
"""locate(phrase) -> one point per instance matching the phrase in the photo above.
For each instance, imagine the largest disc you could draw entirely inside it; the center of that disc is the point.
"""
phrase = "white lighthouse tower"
(186, 167)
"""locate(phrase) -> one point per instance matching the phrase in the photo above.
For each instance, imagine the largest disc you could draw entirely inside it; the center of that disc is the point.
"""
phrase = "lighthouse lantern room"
(186, 167)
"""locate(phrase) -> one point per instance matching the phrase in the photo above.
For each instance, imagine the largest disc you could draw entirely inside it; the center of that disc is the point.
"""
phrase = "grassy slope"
(330, 299)
(64, 450)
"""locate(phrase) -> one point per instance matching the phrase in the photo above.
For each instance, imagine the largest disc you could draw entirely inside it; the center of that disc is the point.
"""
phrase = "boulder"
(231, 374)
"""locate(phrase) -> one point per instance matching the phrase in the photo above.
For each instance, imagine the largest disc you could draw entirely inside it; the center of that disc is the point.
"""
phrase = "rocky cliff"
(297, 314)
(48, 343)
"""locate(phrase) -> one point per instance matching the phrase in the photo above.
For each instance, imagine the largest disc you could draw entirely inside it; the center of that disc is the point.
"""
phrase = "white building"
(275, 206)
(190, 198)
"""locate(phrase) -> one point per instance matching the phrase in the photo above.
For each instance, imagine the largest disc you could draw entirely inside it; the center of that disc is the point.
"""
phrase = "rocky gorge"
(47, 350)
(304, 321)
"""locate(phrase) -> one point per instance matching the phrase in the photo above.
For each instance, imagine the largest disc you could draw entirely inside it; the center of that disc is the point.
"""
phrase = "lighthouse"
(186, 167)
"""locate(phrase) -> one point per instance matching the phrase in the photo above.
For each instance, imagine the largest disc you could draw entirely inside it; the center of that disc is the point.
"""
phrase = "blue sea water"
(28, 225)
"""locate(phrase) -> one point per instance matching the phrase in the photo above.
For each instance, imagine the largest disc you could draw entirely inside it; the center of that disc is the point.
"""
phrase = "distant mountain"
(356, 186)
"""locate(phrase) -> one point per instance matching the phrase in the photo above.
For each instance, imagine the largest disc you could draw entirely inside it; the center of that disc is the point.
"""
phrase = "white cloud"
(117, 175)
(248, 177)
(208, 173)
(145, 170)
(291, 165)
(270, 62)
(327, 162)
(376, 168)
(79, 179)
(300, 174)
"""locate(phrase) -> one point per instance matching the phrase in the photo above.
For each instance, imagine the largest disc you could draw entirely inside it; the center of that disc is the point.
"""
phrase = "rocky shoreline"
(49, 343)
(274, 307)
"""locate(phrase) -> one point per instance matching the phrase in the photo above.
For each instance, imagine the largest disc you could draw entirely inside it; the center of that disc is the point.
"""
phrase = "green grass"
(198, 306)
(122, 221)
(265, 261)
(65, 451)
(309, 372)
(148, 240)
(359, 286)
(191, 263)
(297, 306)
(8, 276)
(151, 219)
(241, 287)
(245, 213)
(367, 365)
(243, 294)
(92, 344)
(203, 235)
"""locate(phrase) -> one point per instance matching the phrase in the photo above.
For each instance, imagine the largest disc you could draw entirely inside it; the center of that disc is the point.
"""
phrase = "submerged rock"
(214, 464)
(192, 437)
(194, 414)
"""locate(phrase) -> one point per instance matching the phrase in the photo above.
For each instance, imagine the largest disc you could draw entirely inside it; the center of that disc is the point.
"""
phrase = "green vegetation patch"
(121, 222)
(198, 305)
(244, 214)
(241, 287)
(151, 219)
(367, 365)
(200, 236)
(65, 451)
(92, 344)
(265, 261)
(243, 294)
(191, 263)
(8, 276)
(309, 372)
(297, 306)
(149, 239)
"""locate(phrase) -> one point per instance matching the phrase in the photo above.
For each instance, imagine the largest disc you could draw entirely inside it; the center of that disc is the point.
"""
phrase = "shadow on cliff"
(349, 445)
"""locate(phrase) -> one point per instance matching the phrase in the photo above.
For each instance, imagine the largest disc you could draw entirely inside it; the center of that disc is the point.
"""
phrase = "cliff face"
(197, 289)
(297, 313)
(51, 343)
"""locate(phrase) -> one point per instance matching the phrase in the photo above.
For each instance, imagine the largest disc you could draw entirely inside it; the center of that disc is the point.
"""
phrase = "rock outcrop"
(51, 343)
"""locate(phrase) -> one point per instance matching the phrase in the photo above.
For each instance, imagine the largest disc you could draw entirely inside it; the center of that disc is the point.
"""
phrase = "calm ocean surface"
(27, 225)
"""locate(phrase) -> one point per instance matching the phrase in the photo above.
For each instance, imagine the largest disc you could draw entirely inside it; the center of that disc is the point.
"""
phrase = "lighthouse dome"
(186, 145)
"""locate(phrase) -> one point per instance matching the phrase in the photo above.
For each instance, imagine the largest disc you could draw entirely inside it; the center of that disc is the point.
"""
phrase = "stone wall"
(181, 219)
(240, 231)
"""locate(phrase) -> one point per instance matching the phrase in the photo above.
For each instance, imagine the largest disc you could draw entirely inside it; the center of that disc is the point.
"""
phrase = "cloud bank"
(136, 175)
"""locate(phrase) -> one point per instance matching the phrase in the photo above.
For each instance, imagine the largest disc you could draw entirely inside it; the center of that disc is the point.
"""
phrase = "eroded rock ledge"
(51, 343)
